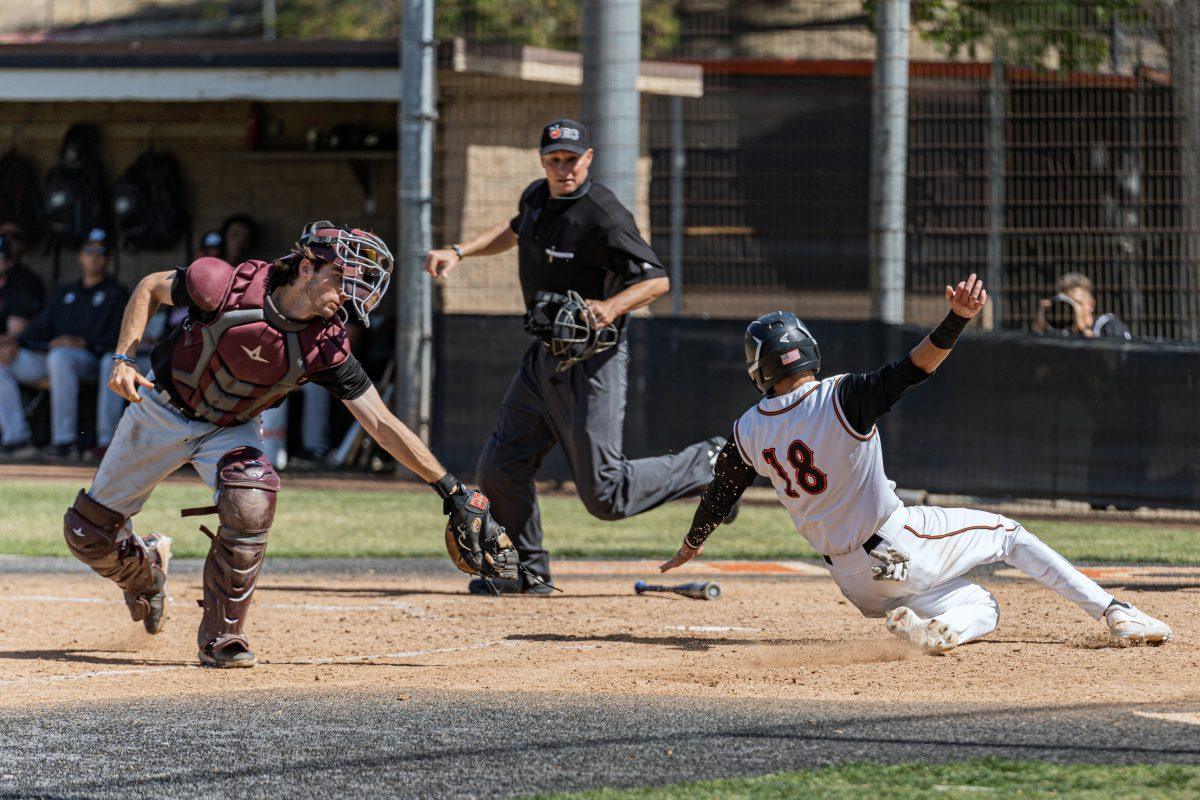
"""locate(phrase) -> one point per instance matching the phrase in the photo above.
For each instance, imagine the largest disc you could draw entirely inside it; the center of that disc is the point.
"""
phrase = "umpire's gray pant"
(583, 409)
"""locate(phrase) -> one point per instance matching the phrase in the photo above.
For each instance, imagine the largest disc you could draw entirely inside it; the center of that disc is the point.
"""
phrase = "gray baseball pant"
(153, 439)
(583, 409)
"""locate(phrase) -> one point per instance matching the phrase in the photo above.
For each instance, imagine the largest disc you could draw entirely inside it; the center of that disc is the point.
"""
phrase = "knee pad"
(91, 528)
(247, 485)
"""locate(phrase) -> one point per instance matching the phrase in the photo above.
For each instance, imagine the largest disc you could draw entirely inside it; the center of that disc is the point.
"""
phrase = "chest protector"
(242, 357)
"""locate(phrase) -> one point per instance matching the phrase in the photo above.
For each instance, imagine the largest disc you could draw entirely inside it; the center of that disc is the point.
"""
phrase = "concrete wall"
(487, 138)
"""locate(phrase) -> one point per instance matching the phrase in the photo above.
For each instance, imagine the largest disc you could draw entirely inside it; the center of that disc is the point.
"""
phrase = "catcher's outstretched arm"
(394, 436)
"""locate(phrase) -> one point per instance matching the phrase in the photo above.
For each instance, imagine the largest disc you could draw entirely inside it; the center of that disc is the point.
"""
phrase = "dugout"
(249, 122)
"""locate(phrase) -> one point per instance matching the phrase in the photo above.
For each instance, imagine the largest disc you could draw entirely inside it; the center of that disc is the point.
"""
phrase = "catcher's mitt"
(478, 545)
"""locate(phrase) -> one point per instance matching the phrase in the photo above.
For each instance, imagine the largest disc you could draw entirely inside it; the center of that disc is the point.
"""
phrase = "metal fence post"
(414, 314)
(678, 164)
(889, 160)
(611, 44)
(993, 277)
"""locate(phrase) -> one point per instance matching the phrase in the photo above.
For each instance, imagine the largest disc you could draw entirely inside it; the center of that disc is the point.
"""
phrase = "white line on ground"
(406, 654)
(103, 673)
(390, 605)
(1184, 717)
(710, 628)
(111, 673)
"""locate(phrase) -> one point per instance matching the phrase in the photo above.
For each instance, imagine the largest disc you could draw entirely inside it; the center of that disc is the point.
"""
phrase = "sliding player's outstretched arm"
(731, 477)
(865, 397)
(966, 300)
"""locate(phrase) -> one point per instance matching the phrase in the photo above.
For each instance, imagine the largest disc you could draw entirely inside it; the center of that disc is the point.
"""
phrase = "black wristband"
(446, 486)
(946, 334)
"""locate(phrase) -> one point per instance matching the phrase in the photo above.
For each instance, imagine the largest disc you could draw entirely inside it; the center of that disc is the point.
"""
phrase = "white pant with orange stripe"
(942, 544)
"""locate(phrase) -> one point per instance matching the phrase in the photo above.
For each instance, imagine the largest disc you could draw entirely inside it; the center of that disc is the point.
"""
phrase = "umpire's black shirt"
(585, 241)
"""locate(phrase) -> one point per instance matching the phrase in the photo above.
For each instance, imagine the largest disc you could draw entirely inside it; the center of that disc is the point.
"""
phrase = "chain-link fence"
(1045, 140)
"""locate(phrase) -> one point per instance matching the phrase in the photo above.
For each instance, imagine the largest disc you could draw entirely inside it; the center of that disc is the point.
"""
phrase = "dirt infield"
(65, 638)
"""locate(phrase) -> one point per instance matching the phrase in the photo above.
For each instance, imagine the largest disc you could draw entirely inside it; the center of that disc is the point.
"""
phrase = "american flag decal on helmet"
(790, 356)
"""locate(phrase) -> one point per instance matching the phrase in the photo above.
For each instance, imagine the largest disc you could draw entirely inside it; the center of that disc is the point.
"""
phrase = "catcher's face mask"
(365, 260)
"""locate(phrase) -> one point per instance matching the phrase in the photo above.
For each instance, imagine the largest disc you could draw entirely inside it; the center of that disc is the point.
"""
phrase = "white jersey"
(828, 477)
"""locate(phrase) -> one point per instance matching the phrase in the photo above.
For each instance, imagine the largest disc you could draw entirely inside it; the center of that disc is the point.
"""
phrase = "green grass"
(406, 523)
(969, 780)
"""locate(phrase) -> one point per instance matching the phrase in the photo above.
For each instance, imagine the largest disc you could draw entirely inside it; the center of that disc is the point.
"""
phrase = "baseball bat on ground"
(710, 590)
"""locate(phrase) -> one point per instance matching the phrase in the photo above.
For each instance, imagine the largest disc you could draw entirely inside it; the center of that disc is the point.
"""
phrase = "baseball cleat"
(930, 635)
(1128, 622)
(510, 586)
(151, 608)
(230, 651)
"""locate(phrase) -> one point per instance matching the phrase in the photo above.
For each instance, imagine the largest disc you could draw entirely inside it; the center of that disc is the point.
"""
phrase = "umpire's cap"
(565, 134)
(777, 345)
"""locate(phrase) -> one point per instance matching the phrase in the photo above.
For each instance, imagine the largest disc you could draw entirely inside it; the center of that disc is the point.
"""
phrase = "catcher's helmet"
(564, 324)
(777, 345)
(364, 258)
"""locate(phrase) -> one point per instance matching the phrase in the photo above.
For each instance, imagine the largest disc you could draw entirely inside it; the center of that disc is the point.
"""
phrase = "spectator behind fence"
(1072, 312)
(70, 341)
(21, 293)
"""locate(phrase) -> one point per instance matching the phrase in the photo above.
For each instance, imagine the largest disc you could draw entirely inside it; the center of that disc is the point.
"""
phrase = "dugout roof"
(324, 71)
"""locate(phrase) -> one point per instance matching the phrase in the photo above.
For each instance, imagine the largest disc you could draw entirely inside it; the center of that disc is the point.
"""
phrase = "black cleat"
(510, 586)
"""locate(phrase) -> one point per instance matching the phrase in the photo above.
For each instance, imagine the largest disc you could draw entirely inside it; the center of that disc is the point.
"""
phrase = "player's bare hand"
(125, 380)
(439, 263)
(685, 554)
(968, 297)
(602, 313)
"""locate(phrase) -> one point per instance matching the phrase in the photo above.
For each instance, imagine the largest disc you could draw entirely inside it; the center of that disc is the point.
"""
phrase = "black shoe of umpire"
(509, 586)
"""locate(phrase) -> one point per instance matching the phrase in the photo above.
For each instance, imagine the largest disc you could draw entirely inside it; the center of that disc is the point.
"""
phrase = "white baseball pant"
(942, 544)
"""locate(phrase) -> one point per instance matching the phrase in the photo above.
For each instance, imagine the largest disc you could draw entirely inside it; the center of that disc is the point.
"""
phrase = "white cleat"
(930, 635)
(1128, 622)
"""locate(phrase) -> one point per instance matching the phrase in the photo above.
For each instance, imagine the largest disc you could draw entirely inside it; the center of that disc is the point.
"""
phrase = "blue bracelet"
(121, 357)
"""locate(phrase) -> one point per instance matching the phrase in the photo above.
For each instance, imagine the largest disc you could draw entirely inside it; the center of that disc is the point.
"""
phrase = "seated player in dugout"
(817, 442)
(583, 268)
(253, 333)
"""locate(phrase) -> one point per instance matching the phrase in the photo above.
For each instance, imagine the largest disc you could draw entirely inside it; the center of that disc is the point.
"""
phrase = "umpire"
(574, 236)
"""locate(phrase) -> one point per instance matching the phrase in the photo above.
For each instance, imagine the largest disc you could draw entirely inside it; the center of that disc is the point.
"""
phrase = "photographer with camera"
(1072, 312)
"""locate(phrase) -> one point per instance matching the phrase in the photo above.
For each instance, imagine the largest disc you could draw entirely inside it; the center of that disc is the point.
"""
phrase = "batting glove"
(894, 566)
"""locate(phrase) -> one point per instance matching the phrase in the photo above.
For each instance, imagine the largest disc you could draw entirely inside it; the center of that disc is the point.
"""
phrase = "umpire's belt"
(870, 544)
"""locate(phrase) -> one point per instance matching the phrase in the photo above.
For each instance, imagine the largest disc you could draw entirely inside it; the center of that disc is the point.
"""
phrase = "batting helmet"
(777, 345)
(365, 260)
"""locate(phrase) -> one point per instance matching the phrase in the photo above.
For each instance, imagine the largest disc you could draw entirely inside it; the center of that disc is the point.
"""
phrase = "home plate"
(1184, 717)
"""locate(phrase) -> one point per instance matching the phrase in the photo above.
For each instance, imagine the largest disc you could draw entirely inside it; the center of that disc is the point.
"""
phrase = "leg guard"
(246, 489)
(91, 532)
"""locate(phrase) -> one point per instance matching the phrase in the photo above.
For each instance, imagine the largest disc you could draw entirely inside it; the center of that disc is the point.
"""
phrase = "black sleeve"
(628, 254)
(40, 331)
(731, 478)
(348, 381)
(867, 396)
(26, 299)
(514, 224)
(109, 328)
(180, 297)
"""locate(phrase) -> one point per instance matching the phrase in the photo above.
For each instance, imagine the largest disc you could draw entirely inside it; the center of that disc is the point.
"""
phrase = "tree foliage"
(541, 23)
(1055, 34)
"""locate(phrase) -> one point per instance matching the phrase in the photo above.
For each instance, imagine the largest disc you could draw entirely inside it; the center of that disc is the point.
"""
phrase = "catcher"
(252, 334)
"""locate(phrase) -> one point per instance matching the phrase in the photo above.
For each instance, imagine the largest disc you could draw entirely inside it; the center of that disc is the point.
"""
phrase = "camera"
(1061, 315)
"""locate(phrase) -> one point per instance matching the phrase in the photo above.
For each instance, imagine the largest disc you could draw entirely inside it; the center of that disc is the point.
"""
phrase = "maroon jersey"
(236, 354)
